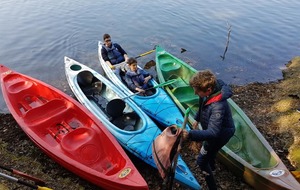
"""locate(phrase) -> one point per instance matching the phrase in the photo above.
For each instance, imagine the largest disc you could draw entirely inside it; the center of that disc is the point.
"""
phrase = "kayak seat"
(45, 112)
(115, 108)
(83, 144)
(185, 94)
(168, 63)
(76, 138)
(89, 84)
(170, 66)
(19, 86)
(85, 78)
(124, 121)
(179, 81)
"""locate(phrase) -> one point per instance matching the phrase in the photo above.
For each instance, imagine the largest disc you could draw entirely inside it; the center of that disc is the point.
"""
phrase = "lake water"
(264, 36)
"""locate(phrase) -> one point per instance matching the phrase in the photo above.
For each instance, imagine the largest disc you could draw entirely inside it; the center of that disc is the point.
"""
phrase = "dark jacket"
(136, 79)
(215, 116)
(114, 54)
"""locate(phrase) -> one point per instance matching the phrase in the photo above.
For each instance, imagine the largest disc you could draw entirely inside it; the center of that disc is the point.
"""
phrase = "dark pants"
(206, 159)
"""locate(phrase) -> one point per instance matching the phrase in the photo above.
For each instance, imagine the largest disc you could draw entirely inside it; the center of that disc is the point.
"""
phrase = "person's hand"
(195, 125)
(140, 90)
(112, 67)
(185, 135)
(126, 58)
(147, 79)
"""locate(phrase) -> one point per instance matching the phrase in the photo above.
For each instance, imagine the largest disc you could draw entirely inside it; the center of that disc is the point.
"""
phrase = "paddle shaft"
(157, 86)
(11, 178)
(173, 167)
(36, 180)
(146, 53)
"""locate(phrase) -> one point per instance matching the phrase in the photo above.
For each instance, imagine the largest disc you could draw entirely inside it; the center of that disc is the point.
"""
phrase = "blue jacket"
(136, 79)
(215, 116)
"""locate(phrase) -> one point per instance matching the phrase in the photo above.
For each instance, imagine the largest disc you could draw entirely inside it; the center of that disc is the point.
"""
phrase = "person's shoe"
(298, 110)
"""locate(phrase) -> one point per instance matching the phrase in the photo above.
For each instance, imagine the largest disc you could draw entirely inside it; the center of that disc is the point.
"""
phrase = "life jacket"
(136, 77)
(164, 149)
(113, 54)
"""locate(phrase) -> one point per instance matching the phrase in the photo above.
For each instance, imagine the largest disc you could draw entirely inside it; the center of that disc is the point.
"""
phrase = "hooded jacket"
(215, 116)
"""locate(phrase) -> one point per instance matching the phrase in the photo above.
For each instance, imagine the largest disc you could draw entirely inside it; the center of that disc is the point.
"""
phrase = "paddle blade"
(149, 64)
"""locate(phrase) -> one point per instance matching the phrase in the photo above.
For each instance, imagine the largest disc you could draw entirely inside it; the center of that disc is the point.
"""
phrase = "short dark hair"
(131, 60)
(105, 36)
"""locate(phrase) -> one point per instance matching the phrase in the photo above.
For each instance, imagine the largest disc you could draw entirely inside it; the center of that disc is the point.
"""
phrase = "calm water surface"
(36, 35)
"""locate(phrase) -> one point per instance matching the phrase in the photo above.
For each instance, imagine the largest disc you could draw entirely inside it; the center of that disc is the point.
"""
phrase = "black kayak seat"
(85, 78)
(115, 108)
(125, 121)
(87, 81)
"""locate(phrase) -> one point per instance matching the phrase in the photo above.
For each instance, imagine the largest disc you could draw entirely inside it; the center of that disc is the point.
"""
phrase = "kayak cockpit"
(117, 111)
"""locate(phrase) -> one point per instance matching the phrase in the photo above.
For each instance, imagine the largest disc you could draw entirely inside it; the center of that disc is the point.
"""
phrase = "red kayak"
(68, 133)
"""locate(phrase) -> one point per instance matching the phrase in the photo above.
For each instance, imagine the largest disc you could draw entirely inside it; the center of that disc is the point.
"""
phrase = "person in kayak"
(112, 53)
(137, 79)
(215, 117)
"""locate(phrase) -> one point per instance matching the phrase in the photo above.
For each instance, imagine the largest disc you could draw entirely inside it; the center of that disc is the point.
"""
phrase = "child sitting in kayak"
(137, 79)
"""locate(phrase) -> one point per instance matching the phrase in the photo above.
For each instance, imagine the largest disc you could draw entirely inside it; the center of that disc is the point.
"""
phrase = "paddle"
(157, 86)
(170, 179)
(11, 178)
(182, 50)
(36, 180)
(146, 53)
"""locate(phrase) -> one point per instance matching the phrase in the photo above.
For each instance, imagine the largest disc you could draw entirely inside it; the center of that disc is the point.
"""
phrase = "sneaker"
(298, 110)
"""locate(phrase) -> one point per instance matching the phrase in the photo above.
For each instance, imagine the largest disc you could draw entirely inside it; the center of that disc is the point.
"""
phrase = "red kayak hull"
(68, 133)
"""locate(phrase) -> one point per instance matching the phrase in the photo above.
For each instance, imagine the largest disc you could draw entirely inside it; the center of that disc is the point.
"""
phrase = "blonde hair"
(203, 80)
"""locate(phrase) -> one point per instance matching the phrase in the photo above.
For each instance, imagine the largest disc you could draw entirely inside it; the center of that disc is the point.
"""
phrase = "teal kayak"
(247, 154)
(133, 129)
(159, 106)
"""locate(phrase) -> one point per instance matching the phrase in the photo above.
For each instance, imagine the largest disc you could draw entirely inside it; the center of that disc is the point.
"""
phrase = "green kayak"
(247, 154)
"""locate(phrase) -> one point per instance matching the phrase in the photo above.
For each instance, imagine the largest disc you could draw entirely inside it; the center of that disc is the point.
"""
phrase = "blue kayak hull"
(159, 106)
(138, 142)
